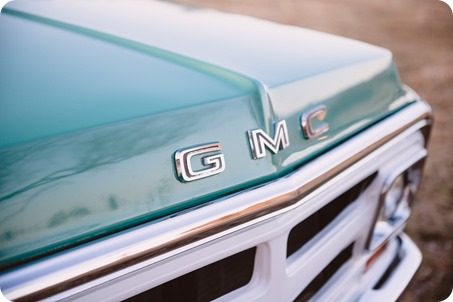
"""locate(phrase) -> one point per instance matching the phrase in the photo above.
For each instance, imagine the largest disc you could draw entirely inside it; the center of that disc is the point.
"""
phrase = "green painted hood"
(93, 109)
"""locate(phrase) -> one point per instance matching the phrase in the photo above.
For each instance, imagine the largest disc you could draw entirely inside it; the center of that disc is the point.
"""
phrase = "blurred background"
(420, 35)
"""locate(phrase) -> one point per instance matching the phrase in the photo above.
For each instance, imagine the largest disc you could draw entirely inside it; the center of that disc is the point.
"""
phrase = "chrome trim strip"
(152, 243)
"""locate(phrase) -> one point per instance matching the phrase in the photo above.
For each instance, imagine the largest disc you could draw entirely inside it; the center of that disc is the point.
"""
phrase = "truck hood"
(96, 99)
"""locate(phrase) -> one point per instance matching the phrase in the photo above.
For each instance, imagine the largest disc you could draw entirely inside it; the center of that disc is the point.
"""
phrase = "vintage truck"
(156, 152)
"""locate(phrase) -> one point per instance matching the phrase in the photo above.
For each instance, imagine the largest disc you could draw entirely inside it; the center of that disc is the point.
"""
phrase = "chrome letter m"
(259, 140)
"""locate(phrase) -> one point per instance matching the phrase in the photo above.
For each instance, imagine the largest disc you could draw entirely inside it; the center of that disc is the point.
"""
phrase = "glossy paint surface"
(60, 78)
(92, 113)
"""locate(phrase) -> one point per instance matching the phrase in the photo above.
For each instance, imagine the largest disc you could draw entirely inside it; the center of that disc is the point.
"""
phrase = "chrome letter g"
(214, 163)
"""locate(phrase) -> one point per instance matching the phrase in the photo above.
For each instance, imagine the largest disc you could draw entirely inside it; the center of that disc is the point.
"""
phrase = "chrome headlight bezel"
(396, 200)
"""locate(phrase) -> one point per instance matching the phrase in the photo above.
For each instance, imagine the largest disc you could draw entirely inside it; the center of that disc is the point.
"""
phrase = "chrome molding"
(128, 251)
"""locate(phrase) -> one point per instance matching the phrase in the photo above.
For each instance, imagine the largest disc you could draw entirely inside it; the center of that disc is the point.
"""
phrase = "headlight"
(414, 178)
(394, 196)
(395, 203)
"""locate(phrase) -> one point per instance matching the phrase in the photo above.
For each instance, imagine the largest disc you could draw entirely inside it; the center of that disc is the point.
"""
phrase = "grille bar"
(317, 283)
(206, 283)
(311, 226)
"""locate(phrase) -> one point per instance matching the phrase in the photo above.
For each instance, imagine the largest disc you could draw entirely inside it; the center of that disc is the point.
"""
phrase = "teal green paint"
(74, 88)
(104, 160)
(228, 76)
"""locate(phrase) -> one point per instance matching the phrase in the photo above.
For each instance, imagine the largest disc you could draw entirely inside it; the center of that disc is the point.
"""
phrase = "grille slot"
(311, 226)
(324, 276)
(206, 283)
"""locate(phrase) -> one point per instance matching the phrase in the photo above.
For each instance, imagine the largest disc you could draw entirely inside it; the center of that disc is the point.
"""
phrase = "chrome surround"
(106, 259)
(306, 121)
(383, 230)
(259, 140)
(215, 163)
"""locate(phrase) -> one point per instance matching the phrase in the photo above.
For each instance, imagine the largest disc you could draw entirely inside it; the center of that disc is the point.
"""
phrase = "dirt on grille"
(420, 35)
